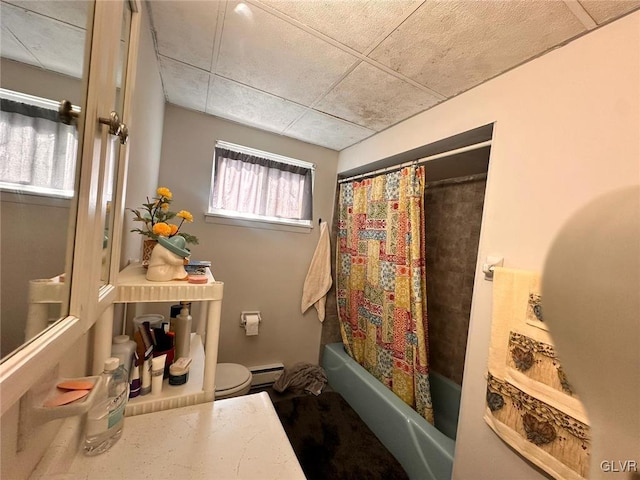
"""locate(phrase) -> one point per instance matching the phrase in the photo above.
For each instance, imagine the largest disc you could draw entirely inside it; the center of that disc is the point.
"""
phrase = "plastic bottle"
(106, 418)
(183, 332)
(123, 348)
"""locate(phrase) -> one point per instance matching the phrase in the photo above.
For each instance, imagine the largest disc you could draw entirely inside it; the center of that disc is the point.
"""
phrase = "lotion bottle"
(183, 332)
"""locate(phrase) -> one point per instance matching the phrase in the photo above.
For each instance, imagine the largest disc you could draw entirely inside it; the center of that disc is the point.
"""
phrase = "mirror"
(42, 52)
(113, 146)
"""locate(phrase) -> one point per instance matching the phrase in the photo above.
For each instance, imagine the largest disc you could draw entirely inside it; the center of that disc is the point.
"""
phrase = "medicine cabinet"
(93, 247)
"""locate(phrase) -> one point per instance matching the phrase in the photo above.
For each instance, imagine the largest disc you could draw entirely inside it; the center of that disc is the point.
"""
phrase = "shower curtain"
(381, 286)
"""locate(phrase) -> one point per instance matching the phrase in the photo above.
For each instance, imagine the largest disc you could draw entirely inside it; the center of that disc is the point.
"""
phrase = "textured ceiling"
(331, 73)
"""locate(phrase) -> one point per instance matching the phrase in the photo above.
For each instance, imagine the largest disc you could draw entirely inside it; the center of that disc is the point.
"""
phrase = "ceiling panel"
(355, 24)
(265, 52)
(375, 99)
(451, 46)
(325, 71)
(13, 49)
(73, 12)
(56, 45)
(320, 129)
(184, 85)
(604, 10)
(185, 31)
(247, 105)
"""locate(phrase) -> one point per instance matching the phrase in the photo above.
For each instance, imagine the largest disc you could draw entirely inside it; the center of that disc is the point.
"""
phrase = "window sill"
(262, 224)
(13, 196)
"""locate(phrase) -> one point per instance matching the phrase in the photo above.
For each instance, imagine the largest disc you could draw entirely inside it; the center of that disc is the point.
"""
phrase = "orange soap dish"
(65, 398)
(50, 403)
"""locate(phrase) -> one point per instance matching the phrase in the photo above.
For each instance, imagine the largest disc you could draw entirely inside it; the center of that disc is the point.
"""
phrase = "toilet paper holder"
(244, 315)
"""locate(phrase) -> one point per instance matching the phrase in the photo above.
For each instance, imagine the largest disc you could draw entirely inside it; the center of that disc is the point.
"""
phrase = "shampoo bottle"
(106, 418)
(183, 332)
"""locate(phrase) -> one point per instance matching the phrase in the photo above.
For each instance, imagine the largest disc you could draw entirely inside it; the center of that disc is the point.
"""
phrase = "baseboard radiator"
(265, 375)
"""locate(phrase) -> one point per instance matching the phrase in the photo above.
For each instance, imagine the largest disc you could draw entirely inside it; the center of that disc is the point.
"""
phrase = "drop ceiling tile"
(184, 85)
(12, 49)
(260, 50)
(375, 99)
(603, 10)
(185, 31)
(56, 45)
(249, 106)
(74, 12)
(324, 130)
(361, 23)
(451, 46)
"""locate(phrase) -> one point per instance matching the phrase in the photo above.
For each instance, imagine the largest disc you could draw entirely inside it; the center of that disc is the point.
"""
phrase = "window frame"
(228, 217)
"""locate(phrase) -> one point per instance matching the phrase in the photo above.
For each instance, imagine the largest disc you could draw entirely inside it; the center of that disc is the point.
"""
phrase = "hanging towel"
(529, 401)
(318, 281)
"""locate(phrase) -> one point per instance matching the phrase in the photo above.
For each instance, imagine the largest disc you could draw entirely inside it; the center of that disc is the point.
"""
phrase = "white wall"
(261, 269)
(567, 130)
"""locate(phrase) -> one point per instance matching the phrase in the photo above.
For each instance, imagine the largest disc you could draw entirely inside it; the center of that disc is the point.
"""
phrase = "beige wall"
(567, 130)
(262, 269)
(36, 81)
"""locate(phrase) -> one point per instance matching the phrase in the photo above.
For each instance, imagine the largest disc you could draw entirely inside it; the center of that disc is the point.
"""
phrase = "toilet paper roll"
(251, 325)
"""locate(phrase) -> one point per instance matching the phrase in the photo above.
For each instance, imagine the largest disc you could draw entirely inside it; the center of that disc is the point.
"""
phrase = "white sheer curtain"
(36, 150)
(251, 185)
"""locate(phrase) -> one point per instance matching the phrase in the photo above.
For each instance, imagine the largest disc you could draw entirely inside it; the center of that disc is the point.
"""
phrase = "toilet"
(232, 380)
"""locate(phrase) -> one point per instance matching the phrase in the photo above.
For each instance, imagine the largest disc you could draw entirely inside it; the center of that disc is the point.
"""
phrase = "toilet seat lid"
(231, 375)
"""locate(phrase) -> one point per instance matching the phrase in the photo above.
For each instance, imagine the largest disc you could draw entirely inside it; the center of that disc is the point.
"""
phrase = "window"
(255, 185)
(37, 152)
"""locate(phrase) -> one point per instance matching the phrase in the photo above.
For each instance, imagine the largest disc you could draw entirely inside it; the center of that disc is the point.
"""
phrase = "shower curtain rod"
(449, 153)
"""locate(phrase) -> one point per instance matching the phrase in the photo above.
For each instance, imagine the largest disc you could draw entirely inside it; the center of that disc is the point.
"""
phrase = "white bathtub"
(424, 451)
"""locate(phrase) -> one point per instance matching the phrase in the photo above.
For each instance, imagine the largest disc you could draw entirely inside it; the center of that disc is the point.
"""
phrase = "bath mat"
(332, 442)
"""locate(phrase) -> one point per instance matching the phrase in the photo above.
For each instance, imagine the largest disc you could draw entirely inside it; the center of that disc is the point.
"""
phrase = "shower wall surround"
(453, 215)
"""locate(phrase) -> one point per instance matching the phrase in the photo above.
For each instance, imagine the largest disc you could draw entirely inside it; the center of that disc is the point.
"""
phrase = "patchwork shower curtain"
(381, 288)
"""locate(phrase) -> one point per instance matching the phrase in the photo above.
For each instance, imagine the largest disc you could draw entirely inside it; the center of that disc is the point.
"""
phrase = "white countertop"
(235, 438)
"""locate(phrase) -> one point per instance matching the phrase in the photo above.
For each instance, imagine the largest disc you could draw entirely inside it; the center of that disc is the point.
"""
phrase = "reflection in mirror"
(113, 147)
(42, 54)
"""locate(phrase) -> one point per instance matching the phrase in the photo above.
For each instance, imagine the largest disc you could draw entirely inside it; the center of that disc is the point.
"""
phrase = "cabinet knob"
(116, 127)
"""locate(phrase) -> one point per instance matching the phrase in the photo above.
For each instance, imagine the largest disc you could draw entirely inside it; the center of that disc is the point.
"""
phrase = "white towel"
(318, 281)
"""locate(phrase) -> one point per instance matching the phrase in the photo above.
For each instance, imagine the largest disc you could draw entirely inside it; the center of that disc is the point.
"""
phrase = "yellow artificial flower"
(164, 192)
(155, 215)
(163, 229)
(185, 215)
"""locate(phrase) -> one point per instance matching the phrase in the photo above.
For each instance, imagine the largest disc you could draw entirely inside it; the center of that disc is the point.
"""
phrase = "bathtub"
(424, 451)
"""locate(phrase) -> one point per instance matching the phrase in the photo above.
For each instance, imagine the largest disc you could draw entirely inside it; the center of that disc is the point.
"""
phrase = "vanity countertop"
(235, 438)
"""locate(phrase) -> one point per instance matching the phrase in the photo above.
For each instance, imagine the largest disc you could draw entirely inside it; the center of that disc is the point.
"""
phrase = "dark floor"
(330, 440)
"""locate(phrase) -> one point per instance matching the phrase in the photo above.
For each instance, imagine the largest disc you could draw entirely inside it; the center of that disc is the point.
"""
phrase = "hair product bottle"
(183, 331)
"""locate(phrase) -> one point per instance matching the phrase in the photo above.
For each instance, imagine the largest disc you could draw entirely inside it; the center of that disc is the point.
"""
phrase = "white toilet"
(232, 380)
